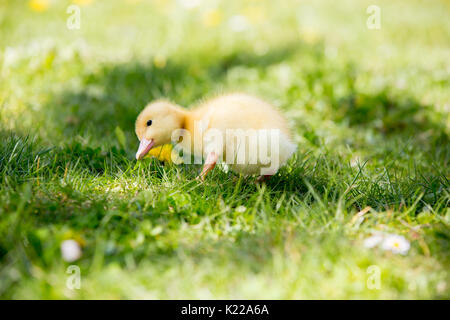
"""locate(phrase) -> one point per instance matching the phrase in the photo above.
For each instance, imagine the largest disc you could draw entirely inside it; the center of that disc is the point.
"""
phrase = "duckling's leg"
(210, 163)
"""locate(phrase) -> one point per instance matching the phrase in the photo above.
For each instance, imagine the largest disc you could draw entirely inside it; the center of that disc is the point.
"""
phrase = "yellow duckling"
(242, 131)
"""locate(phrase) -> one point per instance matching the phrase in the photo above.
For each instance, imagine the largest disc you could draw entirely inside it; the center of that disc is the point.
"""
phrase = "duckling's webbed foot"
(210, 163)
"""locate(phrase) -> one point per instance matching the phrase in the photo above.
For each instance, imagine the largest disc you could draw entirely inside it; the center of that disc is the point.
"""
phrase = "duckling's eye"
(149, 123)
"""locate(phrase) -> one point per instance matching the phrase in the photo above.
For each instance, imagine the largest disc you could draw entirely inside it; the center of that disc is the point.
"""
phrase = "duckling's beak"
(144, 148)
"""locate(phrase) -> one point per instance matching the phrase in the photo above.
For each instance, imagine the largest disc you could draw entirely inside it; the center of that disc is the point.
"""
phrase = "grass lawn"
(369, 111)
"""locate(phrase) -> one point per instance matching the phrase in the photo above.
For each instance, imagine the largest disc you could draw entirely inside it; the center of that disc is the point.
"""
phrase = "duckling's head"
(155, 124)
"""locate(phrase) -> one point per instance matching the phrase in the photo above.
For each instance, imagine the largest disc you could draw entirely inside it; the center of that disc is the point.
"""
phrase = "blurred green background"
(369, 110)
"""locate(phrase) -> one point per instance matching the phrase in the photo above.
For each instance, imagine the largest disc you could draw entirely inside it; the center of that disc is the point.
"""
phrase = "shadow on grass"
(388, 115)
(115, 95)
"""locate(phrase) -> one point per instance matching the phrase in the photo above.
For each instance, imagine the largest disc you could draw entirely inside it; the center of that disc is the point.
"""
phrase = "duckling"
(243, 131)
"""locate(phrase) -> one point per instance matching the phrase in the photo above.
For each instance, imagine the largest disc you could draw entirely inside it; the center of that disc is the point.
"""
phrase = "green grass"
(370, 113)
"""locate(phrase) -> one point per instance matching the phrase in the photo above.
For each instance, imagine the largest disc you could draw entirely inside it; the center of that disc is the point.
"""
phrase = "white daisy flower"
(396, 244)
(70, 250)
(373, 241)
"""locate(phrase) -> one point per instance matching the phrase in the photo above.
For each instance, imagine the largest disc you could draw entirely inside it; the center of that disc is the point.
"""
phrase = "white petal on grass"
(70, 250)
(395, 243)
(225, 168)
(241, 209)
(373, 241)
